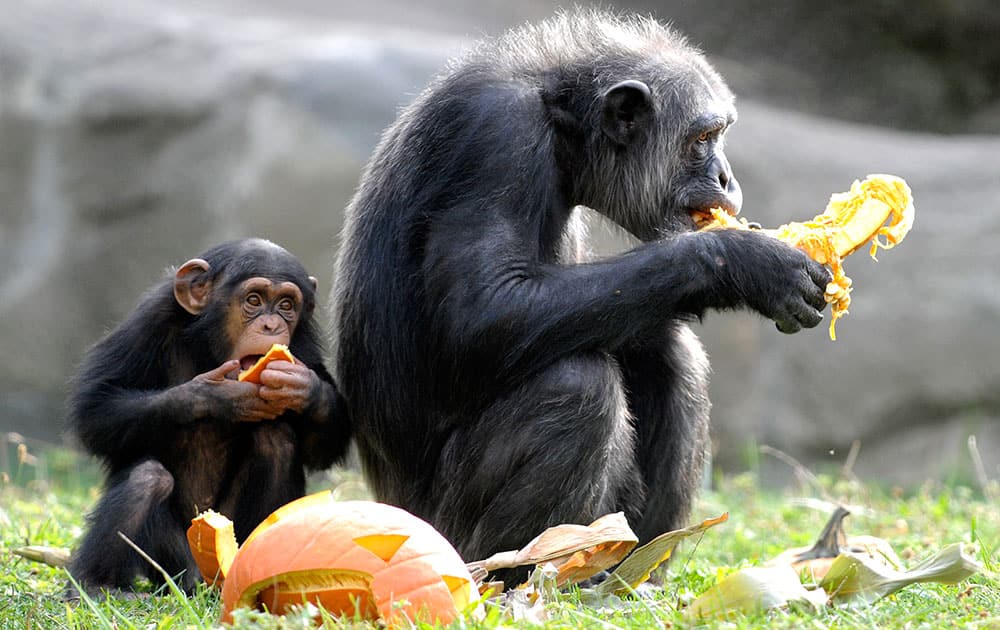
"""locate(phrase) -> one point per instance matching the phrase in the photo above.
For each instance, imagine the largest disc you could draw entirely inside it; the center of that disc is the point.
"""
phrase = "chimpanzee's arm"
(496, 298)
(121, 420)
(495, 304)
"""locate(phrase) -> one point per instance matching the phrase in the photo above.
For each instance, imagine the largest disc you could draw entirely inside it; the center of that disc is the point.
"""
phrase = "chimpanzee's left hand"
(289, 386)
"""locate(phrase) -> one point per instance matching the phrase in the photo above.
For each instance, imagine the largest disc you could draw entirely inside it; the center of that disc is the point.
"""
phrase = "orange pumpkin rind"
(878, 209)
(277, 352)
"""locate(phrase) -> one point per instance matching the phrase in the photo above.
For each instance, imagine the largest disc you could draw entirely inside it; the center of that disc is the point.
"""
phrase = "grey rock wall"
(134, 135)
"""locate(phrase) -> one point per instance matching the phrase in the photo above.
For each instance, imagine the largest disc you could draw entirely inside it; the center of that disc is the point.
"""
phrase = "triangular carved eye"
(453, 582)
(384, 546)
(460, 589)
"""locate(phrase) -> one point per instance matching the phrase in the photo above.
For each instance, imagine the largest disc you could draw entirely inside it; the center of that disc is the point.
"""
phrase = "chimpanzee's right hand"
(217, 395)
(778, 281)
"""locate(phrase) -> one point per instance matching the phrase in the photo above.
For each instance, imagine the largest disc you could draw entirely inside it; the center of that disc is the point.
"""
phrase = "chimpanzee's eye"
(287, 308)
(254, 300)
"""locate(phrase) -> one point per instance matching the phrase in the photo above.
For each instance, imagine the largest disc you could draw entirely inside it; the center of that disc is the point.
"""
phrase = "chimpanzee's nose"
(724, 177)
(272, 323)
(723, 172)
(729, 188)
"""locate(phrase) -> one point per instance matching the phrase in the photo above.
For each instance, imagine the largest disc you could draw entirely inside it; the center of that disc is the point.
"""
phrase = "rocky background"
(134, 134)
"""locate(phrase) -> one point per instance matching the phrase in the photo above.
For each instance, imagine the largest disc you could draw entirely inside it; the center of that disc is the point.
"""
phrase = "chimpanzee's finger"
(819, 274)
(808, 316)
(287, 377)
(814, 296)
(788, 326)
(221, 372)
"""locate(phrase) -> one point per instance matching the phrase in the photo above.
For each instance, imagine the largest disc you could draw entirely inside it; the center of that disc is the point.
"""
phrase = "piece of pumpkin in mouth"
(252, 365)
(703, 217)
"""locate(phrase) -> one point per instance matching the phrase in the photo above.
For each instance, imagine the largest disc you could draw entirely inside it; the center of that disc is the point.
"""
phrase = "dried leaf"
(854, 576)
(754, 589)
(816, 560)
(637, 568)
(576, 551)
(558, 541)
(52, 556)
(828, 545)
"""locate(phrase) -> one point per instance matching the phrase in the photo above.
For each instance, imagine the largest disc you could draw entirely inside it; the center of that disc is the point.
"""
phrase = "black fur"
(132, 407)
(500, 383)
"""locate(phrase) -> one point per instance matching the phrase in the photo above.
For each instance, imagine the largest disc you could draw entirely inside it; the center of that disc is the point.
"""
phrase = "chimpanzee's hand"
(289, 386)
(780, 282)
(217, 395)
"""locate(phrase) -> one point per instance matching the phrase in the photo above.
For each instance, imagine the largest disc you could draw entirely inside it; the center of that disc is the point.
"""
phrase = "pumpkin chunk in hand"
(879, 206)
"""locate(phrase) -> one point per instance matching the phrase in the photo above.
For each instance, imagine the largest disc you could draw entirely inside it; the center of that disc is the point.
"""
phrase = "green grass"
(48, 510)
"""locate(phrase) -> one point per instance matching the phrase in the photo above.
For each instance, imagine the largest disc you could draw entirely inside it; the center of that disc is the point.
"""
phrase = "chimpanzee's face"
(658, 164)
(700, 113)
(252, 295)
(262, 312)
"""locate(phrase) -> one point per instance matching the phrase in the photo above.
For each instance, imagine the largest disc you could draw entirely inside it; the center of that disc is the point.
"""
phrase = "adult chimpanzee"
(158, 402)
(498, 384)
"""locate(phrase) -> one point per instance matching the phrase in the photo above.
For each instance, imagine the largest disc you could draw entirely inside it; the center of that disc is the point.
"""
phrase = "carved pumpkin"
(351, 557)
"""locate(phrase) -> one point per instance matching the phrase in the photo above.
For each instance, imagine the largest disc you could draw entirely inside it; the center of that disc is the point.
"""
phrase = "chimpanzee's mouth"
(248, 361)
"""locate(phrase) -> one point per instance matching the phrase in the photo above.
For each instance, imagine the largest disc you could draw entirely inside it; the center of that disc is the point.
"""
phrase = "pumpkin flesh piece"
(277, 352)
(213, 544)
(850, 220)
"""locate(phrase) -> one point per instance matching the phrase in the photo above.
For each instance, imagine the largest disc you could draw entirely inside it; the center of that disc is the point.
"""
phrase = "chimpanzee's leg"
(135, 504)
(667, 385)
(270, 476)
(558, 449)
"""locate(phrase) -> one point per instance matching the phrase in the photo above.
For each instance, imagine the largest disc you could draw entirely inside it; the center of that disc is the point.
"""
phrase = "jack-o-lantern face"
(352, 557)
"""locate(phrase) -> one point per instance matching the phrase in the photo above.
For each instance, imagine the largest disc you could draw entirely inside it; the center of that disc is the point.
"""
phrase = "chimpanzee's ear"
(192, 286)
(628, 110)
